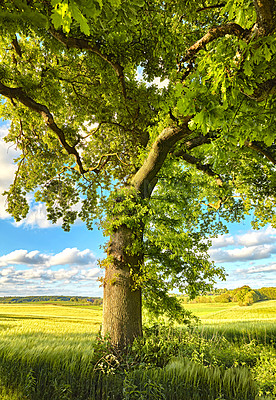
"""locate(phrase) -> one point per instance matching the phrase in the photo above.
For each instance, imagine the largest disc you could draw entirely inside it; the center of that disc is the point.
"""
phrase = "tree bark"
(122, 304)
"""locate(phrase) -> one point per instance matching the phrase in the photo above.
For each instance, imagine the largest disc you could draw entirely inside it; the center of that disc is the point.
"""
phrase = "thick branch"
(84, 44)
(266, 16)
(146, 175)
(197, 141)
(17, 47)
(260, 149)
(214, 33)
(18, 94)
(206, 168)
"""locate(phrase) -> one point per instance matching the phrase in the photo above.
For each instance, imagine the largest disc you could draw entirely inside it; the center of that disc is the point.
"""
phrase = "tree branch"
(263, 90)
(257, 146)
(206, 168)
(198, 141)
(84, 44)
(266, 16)
(18, 94)
(17, 47)
(210, 7)
(213, 34)
(146, 175)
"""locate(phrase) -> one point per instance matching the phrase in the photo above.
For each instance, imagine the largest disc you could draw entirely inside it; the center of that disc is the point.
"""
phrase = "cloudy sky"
(37, 258)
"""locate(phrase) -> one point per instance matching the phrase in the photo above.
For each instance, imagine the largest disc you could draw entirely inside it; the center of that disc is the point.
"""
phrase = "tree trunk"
(122, 304)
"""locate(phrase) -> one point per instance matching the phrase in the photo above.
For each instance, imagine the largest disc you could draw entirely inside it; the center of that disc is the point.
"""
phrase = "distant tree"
(268, 293)
(223, 298)
(159, 169)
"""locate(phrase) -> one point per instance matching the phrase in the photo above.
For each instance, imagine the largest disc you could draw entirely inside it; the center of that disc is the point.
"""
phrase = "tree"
(160, 169)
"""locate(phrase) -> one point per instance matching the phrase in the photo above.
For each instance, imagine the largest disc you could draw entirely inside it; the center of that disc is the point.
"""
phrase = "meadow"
(53, 352)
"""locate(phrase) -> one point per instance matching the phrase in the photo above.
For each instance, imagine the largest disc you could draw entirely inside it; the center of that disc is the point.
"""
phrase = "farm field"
(232, 312)
(51, 352)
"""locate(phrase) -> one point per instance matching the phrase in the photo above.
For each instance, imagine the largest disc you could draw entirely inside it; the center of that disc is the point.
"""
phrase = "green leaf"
(115, 3)
(247, 67)
(79, 17)
(56, 19)
(267, 53)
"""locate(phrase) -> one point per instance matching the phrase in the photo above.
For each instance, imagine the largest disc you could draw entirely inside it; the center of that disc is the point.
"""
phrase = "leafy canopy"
(88, 127)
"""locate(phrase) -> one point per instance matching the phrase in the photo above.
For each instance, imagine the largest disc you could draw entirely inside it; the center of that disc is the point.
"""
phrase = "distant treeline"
(28, 299)
(244, 296)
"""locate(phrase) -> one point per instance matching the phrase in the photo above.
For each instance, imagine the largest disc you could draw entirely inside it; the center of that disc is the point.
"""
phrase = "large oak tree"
(159, 169)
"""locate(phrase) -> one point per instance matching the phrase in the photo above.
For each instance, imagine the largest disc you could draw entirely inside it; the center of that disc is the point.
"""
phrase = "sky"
(38, 258)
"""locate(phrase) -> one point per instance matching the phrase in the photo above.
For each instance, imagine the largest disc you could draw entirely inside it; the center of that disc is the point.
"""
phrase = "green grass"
(50, 352)
(220, 312)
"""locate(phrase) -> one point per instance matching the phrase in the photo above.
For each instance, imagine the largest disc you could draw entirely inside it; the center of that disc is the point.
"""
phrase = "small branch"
(206, 168)
(260, 149)
(100, 166)
(198, 141)
(18, 171)
(210, 7)
(84, 44)
(91, 133)
(263, 90)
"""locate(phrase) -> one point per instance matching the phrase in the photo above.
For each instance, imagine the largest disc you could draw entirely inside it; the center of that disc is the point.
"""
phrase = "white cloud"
(258, 269)
(254, 238)
(23, 257)
(243, 254)
(40, 280)
(222, 241)
(69, 256)
(157, 81)
(73, 256)
(26, 272)
(253, 245)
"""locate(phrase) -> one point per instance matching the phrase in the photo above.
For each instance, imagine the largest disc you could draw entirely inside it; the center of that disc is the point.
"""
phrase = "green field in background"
(230, 312)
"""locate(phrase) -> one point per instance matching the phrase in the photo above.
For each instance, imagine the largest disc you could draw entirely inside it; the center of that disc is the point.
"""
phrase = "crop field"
(232, 312)
(52, 352)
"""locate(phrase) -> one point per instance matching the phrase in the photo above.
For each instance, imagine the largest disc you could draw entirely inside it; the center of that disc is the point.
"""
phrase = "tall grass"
(182, 379)
(242, 332)
(52, 352)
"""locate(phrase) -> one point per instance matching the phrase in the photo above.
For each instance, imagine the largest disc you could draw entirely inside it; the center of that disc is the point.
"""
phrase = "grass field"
(49, 352)
(232, 312)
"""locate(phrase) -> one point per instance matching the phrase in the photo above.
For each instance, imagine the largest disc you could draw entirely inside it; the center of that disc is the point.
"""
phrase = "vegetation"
(54, 352)
(160, 170)
(244, 295)
(55, 299)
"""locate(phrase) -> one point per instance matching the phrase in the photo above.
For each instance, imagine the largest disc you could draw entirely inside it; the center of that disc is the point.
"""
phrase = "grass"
(47, 318)
(232, 312)
(45, 339)
(50, 352)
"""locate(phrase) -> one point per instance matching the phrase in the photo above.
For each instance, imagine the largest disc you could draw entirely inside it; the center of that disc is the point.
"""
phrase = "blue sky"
(37, 258)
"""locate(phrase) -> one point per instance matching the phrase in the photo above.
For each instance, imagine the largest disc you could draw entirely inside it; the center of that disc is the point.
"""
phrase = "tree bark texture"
(122, 307)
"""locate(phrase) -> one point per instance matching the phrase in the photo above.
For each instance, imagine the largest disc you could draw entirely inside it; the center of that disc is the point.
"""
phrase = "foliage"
(98, 143)
(265, 373)
(244, 295)
(34, 299)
